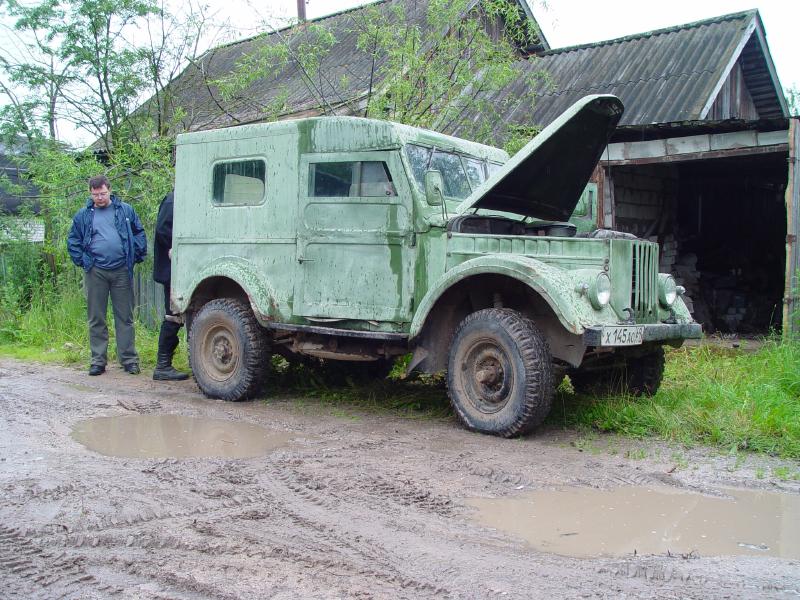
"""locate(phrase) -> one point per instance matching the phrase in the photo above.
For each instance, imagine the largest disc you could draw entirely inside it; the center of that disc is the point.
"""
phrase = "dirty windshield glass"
(461, 174)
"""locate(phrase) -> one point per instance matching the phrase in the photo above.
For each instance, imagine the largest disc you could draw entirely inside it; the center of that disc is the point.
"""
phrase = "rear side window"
(239, 183)
(359, 179)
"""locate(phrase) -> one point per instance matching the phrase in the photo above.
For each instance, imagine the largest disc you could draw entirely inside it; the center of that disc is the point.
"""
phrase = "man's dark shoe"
(132, 369)
(168, 373)
(96, 370)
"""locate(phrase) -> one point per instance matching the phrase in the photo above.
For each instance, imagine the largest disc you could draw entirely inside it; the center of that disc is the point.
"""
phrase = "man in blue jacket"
(106, 240)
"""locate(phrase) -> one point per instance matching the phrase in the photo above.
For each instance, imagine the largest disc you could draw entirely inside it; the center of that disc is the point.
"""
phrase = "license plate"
(621, 336)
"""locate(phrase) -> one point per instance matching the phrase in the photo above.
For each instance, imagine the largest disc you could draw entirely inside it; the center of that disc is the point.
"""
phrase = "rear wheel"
(228, 350)
(644, 373)
(500, 373)
(636, 375)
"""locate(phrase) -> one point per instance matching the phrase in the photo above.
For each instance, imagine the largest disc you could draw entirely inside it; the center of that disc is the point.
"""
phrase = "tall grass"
(52, 327)
(710, 395)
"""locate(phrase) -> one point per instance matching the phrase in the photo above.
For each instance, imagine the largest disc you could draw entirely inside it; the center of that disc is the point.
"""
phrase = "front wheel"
(500, 373)
(228, 350)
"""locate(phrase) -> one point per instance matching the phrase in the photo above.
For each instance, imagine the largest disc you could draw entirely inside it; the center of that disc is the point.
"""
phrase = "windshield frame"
(418, 173)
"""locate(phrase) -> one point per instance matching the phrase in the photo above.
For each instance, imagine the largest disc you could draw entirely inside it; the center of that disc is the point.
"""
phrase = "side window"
(239, 183)
(367, 179)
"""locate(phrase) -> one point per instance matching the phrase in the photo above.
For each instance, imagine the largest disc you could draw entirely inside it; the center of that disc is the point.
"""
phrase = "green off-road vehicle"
(356, 240)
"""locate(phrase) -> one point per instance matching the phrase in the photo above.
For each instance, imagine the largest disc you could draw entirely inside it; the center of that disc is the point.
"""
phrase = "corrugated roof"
(204, 104)
(663, 76)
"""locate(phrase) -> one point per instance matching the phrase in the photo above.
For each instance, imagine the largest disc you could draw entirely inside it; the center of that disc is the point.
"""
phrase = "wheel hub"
(221, 352)
(488, 375)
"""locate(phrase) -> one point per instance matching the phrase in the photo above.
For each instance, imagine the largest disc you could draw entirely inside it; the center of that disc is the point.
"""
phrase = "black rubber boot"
(164, 370)
(167, 342)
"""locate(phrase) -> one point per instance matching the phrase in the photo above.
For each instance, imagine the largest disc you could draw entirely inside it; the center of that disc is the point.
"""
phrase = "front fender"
(551, 283)
(246, 275)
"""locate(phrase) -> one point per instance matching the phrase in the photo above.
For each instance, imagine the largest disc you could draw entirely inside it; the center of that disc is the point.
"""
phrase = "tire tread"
(255, 345)
(535, 353)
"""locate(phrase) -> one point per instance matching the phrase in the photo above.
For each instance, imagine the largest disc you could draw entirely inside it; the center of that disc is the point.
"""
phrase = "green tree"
(83, 59)
(90, 62)
(440, 72)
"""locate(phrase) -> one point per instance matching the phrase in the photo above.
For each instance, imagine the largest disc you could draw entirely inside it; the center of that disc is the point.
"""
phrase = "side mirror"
(434, 184)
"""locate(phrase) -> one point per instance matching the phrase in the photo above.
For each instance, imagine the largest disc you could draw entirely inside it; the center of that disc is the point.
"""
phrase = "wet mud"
(318, 504)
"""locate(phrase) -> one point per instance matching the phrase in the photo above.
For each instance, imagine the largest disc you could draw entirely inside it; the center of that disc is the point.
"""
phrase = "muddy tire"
(500, 373)
(598, 382)
(228, 350)
(638, 376)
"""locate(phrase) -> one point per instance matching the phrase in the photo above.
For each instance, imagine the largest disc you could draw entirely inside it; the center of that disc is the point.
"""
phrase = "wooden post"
(791, 294)
(301, 11)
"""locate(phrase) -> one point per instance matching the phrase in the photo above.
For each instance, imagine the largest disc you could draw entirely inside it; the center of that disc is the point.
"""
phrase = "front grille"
(644, 293)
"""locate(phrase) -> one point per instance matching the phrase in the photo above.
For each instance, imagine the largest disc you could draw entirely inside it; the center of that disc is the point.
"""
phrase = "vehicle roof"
(345, 134)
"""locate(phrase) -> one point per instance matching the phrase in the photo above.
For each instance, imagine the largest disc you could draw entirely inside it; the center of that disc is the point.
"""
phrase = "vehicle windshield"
(461, 173)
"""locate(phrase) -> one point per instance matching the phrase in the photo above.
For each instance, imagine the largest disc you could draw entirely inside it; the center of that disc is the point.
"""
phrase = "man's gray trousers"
(99, 285)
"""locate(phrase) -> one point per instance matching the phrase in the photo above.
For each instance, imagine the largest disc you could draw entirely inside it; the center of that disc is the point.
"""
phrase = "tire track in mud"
(31, 572)
(296, 537)
(326, 495)
(293, 496)
(139, 406)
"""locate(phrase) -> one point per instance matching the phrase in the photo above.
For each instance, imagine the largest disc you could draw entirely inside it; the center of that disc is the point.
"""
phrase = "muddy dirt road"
(339, 507)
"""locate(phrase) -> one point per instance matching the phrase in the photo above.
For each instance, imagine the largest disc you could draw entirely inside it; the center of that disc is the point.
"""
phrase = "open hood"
(545, 179)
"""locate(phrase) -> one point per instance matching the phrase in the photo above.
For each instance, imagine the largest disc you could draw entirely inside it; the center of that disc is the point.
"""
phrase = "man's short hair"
(98, 181)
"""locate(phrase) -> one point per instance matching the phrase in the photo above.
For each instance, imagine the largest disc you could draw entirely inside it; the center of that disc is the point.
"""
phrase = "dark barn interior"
(722, 227)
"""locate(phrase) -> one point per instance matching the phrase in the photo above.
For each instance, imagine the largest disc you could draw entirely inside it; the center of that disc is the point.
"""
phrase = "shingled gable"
(193, 90)
(714, 69)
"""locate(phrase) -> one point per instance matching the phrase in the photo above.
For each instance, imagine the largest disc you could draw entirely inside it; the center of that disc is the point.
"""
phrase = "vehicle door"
(355, 238)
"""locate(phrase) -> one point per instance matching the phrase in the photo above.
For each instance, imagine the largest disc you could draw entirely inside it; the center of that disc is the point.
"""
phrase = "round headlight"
(600, 291)
(667, 290)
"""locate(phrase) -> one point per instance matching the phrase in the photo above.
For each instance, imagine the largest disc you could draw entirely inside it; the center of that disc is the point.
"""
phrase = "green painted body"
(375, 264)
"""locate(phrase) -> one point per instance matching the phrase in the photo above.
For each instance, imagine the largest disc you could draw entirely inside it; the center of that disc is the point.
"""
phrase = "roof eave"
(773, 73)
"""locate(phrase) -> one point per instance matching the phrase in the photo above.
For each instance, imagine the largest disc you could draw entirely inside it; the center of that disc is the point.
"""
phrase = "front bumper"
(655, 332)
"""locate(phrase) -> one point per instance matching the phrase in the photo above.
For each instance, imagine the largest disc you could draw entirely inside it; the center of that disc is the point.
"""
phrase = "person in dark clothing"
(162, 273)
(106, 240)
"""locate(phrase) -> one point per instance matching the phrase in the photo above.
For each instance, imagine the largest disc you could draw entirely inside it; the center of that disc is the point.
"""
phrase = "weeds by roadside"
(52, 327)
(714, 396)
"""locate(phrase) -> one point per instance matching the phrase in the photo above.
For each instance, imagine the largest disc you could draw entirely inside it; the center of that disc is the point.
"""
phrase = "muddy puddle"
(176, 436)
(591, 522)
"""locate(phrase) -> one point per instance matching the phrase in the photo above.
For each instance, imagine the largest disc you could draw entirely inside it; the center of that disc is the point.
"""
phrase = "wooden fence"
(149, 297)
